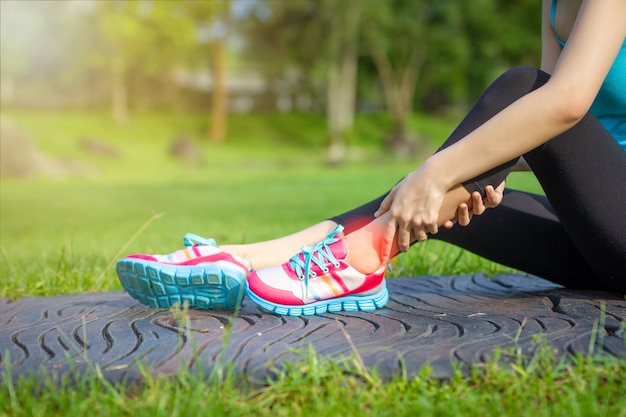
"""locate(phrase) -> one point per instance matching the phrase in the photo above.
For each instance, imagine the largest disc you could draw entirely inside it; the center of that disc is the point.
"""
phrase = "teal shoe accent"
(333, 305)
(191, 239)
(206, 287)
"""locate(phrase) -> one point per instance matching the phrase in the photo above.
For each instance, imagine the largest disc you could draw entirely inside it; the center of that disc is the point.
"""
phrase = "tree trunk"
(119, 90)
(341, 87)
(399, 89)
(219, 99)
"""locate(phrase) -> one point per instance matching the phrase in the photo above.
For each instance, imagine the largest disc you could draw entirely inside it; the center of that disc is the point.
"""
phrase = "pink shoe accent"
(317, 279)
(200, 259)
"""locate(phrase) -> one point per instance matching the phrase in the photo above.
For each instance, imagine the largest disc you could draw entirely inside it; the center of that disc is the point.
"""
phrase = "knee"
(523, 79)
(512, 85)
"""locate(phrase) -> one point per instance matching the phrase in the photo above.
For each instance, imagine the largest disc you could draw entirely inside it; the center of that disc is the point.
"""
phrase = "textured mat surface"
(428, 320)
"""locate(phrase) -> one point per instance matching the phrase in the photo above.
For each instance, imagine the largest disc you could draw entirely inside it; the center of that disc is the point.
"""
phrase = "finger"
(489, 196)
(450, 223)
(478, 205)
(384, 207)
(387, 242)
(420, 235)
(385, 204)
(496, 196)
(463, 215)
(404, 239)
(497, 199)
(494, 200)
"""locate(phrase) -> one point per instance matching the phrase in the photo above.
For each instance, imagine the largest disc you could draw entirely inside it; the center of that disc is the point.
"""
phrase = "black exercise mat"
(439, 321)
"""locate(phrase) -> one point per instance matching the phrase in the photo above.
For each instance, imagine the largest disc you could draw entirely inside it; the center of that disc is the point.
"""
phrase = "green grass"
(61, 235)
(540, 386)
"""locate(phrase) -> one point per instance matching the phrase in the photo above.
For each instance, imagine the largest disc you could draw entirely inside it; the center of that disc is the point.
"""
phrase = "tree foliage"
(425, 53)
(395, 36)
(392, 54)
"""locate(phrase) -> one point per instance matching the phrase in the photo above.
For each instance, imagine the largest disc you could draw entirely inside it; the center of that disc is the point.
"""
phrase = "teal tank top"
(609, 107)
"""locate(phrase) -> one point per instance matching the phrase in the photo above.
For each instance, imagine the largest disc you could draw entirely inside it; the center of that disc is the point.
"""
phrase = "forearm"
(524, 125)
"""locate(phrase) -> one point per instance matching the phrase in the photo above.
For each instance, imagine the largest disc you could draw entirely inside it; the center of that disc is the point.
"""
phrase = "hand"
(413, 207)
(478, 205)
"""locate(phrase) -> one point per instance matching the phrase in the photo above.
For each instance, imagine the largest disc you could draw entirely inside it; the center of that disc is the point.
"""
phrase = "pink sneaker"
(201, 275)
(317, 280)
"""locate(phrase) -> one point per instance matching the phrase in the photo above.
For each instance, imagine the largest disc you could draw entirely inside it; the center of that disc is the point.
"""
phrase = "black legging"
(576, 236)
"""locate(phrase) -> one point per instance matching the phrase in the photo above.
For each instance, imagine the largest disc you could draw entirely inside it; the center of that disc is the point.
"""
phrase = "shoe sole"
(347, 303)
(158, 285)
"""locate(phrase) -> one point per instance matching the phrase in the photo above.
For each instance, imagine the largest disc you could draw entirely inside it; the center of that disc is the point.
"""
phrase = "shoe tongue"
(339, 249)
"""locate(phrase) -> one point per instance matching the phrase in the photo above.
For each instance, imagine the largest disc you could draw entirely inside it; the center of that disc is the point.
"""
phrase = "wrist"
(435, 168)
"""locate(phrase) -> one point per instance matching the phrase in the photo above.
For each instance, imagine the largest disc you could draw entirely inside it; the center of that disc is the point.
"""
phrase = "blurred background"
(240, 120)
(331, 75)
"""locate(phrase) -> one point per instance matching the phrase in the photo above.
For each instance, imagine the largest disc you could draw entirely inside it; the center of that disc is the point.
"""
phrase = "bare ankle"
(363, 258)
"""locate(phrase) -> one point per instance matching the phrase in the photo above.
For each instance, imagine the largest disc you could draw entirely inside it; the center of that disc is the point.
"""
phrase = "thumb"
(384, 205)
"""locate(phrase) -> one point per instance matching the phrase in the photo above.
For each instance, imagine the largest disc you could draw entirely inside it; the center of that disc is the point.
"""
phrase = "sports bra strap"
(552, 13)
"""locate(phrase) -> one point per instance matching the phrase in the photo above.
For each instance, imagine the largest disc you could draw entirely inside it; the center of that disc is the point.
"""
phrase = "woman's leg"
(508, 88)
(363, 242)
(277, 251)
(525, 233)
(583, 173)
(577, 235)
(499, 95)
